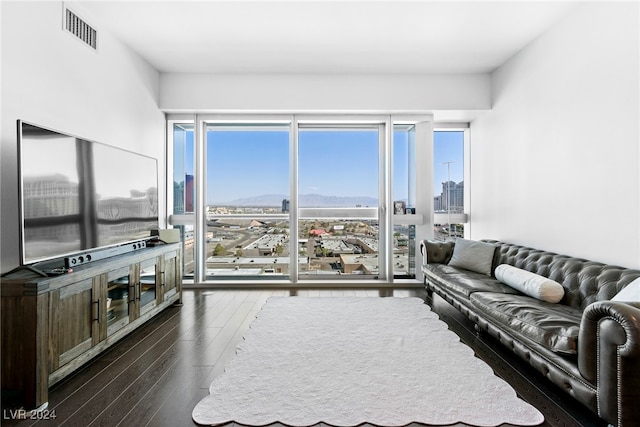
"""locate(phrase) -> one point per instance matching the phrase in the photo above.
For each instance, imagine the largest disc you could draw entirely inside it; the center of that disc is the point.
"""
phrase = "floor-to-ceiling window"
(449, 185)
(300, 198)
(338, 200)
(247, 189)
(180, 188)
(404, 197)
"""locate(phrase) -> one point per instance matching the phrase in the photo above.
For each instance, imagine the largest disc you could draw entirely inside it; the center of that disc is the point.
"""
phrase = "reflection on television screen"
(78, 195)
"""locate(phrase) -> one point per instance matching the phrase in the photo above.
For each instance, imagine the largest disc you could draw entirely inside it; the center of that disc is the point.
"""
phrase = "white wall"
(324, 93)
(52, 79)
(555, 164)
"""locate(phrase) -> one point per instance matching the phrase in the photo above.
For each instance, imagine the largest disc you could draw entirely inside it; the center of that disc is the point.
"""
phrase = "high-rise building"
(188, 193)
(178, 197)
(438, 206)
(452, 197)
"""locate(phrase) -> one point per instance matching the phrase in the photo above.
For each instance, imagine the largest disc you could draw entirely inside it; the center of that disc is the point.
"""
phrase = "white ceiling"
(299, 36)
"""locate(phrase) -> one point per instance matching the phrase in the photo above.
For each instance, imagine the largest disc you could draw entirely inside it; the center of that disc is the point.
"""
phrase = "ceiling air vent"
(80, 29)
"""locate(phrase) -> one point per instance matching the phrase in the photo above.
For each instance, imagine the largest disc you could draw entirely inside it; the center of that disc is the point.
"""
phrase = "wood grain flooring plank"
(209, 309)
(222, 317)
(137, 389)
(177, 381)
(178, 412)
(117, 385)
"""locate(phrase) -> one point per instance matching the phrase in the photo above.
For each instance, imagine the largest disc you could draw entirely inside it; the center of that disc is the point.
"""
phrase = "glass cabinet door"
(147, 292)
(169, 276)
(119, 299)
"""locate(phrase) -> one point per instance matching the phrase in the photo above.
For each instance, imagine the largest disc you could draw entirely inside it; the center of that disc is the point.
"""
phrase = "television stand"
(53, 325)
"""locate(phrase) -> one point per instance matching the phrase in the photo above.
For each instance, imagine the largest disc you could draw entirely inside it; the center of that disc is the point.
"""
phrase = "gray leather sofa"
(586, 344)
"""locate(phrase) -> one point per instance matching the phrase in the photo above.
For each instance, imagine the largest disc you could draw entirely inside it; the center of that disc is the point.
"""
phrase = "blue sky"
(332, 163)
(246, 164)
(338, 163)
(448, 146)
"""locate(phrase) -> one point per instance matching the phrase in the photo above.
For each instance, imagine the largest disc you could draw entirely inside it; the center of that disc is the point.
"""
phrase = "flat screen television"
(78, 195)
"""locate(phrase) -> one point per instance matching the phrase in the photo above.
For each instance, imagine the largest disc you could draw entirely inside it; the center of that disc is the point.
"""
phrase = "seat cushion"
(463, 282)
(554, 326)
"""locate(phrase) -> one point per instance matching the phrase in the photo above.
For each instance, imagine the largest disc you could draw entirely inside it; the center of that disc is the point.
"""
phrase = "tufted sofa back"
(584, 281)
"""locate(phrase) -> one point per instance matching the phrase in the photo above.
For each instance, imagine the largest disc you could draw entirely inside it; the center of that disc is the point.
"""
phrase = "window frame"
(424, 198)
(466, 173)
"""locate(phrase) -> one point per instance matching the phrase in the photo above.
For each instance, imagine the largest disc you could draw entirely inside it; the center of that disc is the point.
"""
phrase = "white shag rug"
(348, 361)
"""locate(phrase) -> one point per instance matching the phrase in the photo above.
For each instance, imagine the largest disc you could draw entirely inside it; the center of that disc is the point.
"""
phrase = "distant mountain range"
(306, 200)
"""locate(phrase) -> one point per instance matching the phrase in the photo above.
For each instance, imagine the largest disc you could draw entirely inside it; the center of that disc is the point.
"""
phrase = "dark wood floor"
(156, 375)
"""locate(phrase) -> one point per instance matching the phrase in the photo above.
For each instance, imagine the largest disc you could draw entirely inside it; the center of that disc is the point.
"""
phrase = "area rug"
(348, 361)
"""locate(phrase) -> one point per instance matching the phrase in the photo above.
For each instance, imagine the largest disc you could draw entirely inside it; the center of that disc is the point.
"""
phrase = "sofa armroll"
(609, 357)
(435, 252)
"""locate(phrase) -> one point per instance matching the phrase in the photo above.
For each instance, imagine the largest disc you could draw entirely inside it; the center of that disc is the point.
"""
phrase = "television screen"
(78, 195)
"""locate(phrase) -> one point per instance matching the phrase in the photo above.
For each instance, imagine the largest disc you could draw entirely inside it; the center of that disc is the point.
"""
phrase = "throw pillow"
(473, 255)
(630, 293)
(529, 283)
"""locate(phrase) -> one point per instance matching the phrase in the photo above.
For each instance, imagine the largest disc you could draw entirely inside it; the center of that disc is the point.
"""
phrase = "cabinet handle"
(132, 293)
(138, 290)
(96, 310)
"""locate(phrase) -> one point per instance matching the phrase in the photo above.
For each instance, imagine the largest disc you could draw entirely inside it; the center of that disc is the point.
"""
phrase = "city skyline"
(341, 166)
